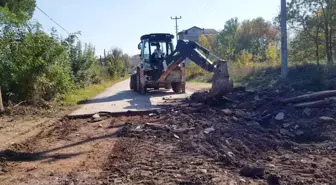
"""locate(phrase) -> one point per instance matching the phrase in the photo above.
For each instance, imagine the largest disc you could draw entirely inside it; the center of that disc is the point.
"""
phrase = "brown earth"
(234, 140)
(237, 142)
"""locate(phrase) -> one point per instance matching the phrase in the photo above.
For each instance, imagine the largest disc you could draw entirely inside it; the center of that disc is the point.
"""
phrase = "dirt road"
(120, 98)
(240, 140)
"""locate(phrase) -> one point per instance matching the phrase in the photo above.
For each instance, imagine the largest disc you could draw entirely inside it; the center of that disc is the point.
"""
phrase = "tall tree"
(255, 36)
(226, 42)
(314, 17)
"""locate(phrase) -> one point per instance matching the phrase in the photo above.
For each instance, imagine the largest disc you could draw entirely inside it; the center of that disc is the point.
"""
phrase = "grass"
(237, 72)
(89, 92)
(304, 76)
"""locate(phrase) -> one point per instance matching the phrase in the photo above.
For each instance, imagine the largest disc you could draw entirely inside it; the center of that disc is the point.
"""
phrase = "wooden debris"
(268, 116)
(326, 118)
(176, 136)
(319, 103)
(157, 126)
(310, 97)
(19, 104)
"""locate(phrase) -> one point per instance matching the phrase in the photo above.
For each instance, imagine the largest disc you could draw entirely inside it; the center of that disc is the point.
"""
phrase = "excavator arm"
(190, 49)
(221, 82)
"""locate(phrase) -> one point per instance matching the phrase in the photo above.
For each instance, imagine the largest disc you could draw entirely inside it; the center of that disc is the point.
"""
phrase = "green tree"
(250, 36)
(117, 62)
(255, 36)
(272, 52)
(315, 17)
(22, 9)
(204, 41)
(303, 48)
(244, 57)
(226, 42)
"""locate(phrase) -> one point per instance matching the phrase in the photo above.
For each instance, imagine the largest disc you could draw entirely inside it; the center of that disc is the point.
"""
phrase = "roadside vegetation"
(36, 66)
(252, 48)
(84, 94)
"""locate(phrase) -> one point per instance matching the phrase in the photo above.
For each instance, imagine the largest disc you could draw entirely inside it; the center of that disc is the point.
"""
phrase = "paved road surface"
(119, 98)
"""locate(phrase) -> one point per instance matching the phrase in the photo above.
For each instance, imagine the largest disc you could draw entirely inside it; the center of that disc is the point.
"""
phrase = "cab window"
(145, 51)
(170, 48)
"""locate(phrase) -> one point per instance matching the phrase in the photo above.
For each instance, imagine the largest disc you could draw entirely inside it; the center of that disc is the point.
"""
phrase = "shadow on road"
(16, 156)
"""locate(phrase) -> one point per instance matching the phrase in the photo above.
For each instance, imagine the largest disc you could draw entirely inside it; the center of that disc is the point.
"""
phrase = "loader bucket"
(221, 82)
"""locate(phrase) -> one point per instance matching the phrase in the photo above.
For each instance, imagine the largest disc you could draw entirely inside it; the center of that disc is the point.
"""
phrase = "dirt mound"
(246, 137)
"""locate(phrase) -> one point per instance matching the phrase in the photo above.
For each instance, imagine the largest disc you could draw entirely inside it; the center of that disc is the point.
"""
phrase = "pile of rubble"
(246, 136)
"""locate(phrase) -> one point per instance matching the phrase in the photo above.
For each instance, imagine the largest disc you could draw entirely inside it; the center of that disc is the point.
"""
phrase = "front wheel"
(139, 87)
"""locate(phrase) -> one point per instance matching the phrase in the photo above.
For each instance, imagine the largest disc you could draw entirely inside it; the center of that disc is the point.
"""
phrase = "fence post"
(1, 103)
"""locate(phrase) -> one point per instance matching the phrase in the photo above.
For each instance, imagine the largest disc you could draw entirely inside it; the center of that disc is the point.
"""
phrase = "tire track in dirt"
(49, 157)
(68, 151)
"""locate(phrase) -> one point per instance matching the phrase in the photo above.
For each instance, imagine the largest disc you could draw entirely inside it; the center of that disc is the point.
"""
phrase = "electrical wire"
(52, 20)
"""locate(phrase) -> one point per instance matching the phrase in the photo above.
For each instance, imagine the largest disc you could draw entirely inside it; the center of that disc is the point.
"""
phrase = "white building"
(195, 32)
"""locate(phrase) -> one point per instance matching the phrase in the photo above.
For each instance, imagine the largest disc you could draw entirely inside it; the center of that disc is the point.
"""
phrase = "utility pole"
(284, 51)
(176, 26)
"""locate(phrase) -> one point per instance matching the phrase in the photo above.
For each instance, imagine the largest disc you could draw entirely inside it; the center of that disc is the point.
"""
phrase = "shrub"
(34, 67)
(245, 58)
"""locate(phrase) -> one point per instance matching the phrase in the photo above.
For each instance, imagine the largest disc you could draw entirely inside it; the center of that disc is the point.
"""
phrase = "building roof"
(210, 31)
(205, 30)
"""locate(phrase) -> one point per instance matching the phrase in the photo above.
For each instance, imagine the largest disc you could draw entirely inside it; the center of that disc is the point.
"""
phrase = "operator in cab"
(157, 52)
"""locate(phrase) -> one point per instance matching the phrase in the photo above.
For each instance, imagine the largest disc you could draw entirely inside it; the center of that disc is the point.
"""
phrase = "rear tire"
(133, 82)
(177, 87)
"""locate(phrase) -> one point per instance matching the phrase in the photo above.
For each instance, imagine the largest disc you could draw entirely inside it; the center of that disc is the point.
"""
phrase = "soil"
(237, 140)
(246, 137)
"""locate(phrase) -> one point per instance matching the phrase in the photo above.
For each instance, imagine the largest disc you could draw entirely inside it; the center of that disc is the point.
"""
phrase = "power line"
(52, 19)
